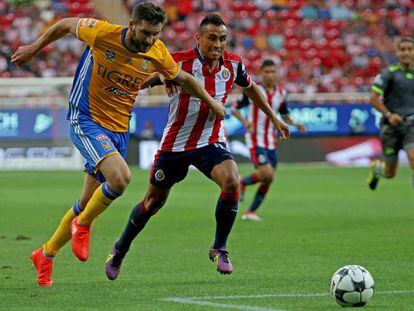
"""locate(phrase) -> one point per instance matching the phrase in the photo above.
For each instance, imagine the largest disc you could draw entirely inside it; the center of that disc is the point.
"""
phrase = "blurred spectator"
(340, 13)
(148, 131)
(308, 12)
(23, 24)
(276, 42)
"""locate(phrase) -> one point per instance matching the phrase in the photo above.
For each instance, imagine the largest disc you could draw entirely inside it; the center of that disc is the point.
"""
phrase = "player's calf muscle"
(154, 203)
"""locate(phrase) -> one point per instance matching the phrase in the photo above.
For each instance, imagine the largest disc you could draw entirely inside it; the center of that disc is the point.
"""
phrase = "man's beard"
(140, 46)
(407, 62)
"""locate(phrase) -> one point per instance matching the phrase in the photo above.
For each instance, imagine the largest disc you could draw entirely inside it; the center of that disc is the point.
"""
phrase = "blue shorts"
(262, 156)
(95, 143)
(172, 167)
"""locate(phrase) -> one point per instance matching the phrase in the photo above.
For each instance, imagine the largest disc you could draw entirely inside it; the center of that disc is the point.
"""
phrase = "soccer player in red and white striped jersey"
(261, 137)
(194, 137)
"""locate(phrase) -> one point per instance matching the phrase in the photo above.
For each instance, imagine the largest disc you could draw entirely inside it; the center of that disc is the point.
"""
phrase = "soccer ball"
(352, 286)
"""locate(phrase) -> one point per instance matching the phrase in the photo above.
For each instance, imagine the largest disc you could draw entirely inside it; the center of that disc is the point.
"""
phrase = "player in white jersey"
(261, 137)
(191, 137)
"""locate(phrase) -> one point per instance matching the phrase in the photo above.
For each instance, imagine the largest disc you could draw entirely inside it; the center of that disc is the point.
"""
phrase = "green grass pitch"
(315, 220)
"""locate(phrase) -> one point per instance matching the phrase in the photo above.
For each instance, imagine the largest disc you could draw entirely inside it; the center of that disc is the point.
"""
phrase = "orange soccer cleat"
(80, 240)
(44, 267)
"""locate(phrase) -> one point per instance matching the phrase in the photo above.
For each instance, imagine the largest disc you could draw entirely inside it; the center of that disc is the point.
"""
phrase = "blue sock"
(259, 197)
(137, 221)
(76, 208)
(226, 212)
(109, 192)
(47, 256)
(250, 180)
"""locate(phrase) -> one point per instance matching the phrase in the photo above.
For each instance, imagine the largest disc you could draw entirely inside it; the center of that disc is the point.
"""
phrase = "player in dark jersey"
(396, 86)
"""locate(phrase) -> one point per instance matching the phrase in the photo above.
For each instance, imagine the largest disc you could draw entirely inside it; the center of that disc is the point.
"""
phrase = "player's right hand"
(23, 55)
(395, 119)
(283, 129)
(248, 126)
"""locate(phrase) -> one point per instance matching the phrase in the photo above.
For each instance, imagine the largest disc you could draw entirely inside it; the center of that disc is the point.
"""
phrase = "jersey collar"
(206, 70)
(402, 68)
(274, 89)
(123, 41)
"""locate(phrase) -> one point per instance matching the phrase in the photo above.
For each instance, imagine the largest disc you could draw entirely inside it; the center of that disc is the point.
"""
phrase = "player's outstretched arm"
(26, 52)
(190, 84)
(254, 93)
(377, 103)
(288, 120)
(247, 125)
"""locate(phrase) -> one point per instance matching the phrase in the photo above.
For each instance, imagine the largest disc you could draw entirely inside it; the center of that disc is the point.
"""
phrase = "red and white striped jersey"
(263, 134)
(188, 126)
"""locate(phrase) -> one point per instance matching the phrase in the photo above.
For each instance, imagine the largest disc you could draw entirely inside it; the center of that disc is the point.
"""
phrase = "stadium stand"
(21, 25)
(321, 46)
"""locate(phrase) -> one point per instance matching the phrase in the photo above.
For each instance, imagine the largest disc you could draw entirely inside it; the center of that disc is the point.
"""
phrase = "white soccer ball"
(352, 286)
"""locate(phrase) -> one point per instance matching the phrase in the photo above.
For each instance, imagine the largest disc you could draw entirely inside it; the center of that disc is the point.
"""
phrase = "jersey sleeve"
(166, 65)
(381, 81)
(283, 109)
(88, 29)
(244, 102)
(242, 77)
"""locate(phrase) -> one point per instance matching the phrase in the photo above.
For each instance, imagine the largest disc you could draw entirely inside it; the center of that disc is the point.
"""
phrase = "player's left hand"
(23, 55)
(172, 88)
(301, 128)
(283, 129)
(151, 79)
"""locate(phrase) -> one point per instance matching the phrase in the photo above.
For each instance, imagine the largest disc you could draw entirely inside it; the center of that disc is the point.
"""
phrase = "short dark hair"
(267, 63)
(406, 39)
(148, 12)
(212, 18)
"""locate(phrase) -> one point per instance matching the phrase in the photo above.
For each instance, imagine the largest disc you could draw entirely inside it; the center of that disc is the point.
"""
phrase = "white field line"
(203, 301)
(218, 305)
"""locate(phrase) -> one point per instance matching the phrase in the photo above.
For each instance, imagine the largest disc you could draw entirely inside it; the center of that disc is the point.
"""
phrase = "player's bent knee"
(267, 179)
(120, 182)
(126, 178)
(231, 185)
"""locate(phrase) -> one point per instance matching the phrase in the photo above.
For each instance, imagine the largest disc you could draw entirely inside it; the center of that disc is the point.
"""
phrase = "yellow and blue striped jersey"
(109, 75)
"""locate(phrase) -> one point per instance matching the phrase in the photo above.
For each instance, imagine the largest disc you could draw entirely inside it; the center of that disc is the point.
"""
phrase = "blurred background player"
(260, 136)
(110, 73)
(396, 87)
(191, 138)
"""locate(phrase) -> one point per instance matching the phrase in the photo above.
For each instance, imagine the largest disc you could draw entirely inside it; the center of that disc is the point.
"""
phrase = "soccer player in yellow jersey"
(110, 73)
